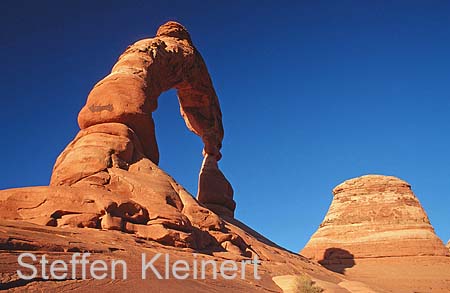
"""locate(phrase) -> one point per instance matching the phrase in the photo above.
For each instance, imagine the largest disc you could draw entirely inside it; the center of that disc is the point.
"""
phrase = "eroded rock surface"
(140, 199)
(373, 216)
(56, 243)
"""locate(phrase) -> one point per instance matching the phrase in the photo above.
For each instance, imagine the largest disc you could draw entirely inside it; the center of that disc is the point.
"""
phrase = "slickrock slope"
(374, 216)
(60, 243)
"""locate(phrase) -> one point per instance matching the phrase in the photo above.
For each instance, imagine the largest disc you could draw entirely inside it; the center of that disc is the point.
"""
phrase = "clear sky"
(312, 93)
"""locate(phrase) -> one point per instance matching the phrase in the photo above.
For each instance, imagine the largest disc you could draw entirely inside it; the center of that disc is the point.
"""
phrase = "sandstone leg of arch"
(128, 96)
(373, 216)
(214, 190)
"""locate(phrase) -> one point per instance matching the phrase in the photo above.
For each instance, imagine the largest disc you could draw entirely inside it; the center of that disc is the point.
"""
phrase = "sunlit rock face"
(117, 123)
(108, 176)
(373, 216)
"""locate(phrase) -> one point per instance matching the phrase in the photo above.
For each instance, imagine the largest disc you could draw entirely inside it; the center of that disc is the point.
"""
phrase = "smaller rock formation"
(373, 216)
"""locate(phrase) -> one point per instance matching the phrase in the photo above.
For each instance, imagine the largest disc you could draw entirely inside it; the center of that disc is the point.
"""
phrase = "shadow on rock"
(337, 260)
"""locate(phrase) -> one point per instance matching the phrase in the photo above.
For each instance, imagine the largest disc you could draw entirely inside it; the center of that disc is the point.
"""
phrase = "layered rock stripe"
(374, 216)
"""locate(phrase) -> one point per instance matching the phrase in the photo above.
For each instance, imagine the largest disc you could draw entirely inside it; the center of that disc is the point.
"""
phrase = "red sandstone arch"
(119, 111)
(146, 69)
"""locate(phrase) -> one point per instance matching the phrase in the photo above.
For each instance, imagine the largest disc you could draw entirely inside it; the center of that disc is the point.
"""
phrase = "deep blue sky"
(312, 94)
